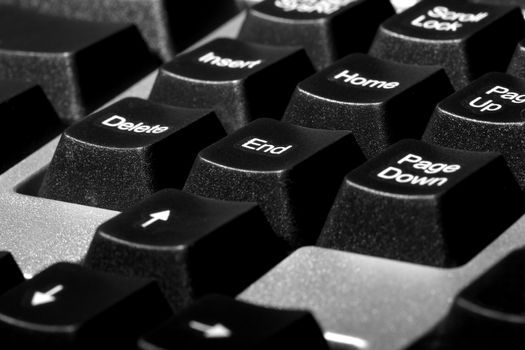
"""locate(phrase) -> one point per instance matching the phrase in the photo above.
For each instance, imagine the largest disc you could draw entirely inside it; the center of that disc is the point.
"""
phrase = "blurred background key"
(327, 29)
(167, 26)
(80, 65)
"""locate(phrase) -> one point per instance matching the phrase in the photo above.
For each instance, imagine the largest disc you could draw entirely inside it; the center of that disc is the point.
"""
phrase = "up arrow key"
(161, 215)
(216, 331)
(40, 298)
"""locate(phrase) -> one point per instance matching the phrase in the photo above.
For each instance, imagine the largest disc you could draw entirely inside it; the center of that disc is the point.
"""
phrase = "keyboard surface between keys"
(377, 303)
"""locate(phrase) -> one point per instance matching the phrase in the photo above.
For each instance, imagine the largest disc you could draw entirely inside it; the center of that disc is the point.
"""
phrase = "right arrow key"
(424, 204)
(220, 323)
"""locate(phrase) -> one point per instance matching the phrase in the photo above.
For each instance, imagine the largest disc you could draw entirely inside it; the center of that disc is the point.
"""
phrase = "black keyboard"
(318, 174)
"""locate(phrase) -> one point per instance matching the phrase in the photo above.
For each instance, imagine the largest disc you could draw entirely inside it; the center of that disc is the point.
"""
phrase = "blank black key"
(485, 116)
(79, 65)
(453, 34)
(240, 81)
(291, 171)
(517, 63)
(191, 245)
(167, 26)
(490, 311)
(221, 323)
(10, 272)
(425, 204)
(327, 29)
(488, 314)
(380, 102)
(27, 113)
(129, 150)
(69, 307)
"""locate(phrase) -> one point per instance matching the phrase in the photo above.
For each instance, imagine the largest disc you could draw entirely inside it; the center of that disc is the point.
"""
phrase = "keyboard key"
(369, 97)
(25, 110)
(485, 116)
(124, 153)
(79, 65)
(167, 26)
(11, 274)
(291, 171)
(69, 307)
(217, 322)
(327, 29)
(241, 81)
(517, 64)
(490, 310)
(502, 2)
(191, 245)
(424, 204)
(453, 34)
(487, 314)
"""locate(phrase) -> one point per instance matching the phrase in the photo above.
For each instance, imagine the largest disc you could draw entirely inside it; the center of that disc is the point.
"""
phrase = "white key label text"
(140, 128)
(214, 60)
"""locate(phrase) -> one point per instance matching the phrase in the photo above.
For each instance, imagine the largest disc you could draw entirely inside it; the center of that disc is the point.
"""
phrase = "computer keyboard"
(379, 289)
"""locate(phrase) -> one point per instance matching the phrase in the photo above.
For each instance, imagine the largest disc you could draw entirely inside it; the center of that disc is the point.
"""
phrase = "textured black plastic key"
(424, 204)
(221, 323)
(26, 111)
(191, 245)
(10, 272)
(467, 39)
(167, 26)
(490, 311)
(241, 81)
(485, 116)
(127, 151)
(488, 314)
(79, 65)
(517, 63)
(291, 171)
(380, 102)
(327, 29)
(69, 307)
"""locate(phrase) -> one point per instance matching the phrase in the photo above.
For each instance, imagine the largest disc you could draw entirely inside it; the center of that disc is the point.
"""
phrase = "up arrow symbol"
(159, 216)
(215, 331)
(40, 298)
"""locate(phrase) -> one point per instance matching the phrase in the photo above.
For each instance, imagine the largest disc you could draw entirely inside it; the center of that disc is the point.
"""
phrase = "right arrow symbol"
(215, 331)
(40, 298)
